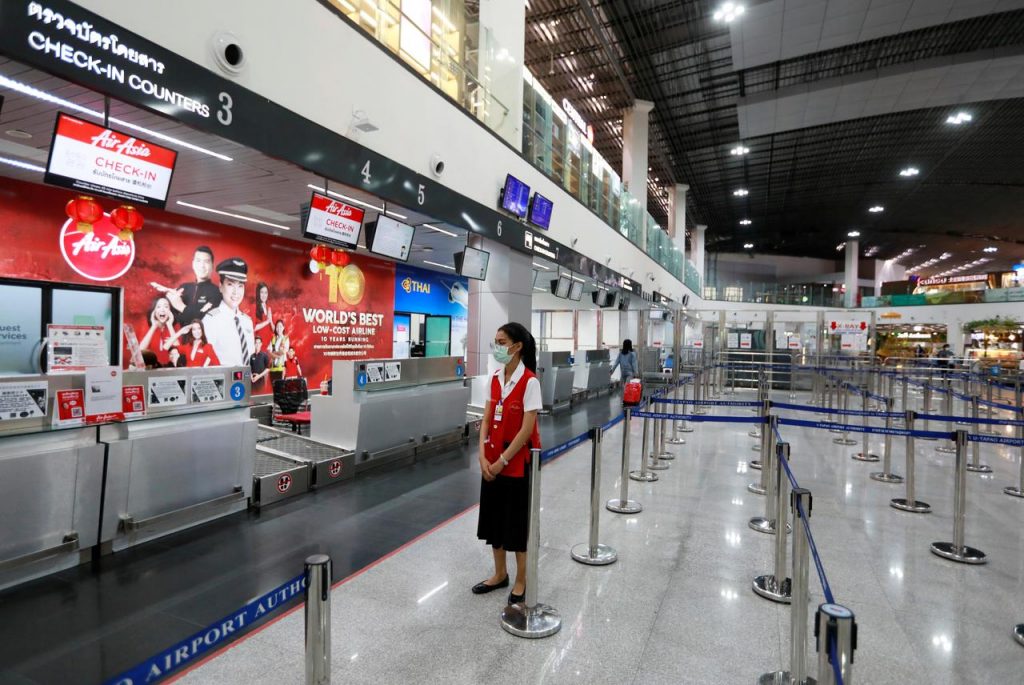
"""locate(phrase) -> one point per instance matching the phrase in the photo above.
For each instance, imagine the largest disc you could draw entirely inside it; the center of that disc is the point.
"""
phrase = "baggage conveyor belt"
(288, 464)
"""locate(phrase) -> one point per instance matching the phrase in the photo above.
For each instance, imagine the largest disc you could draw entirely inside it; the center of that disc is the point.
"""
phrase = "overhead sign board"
(333, 221)
(950, 280)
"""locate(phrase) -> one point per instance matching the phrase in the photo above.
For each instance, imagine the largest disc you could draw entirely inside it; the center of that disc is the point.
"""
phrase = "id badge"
(497, 411)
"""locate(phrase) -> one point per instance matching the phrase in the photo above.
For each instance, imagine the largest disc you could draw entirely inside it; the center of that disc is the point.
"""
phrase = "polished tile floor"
(677, 606)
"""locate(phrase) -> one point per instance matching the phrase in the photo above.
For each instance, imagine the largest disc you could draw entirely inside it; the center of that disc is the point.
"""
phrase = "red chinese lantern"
(85, 211)
(128, 220)
(339, 258)
(321, 255)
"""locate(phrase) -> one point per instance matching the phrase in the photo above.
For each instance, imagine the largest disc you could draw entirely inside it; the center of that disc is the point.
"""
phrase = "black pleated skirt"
(505, 512)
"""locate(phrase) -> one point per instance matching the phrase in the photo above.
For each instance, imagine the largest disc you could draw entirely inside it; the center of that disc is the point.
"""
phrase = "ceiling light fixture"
(853, 234)
(21, 165)
(26, 89)
(910, 171)
(991, 248)
(443, 266)
(440, 230)
(232, 215)
(959, 118)
(397, 215)
(741, 192)
(745, 222)
(876, 209)
(729, 12)
(748, 246)
(541, 266)
(739, 151)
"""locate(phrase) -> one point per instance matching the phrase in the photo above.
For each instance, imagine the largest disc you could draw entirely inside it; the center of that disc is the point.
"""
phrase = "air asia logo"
(108, 140)
(99, 255)
(411, 286)
(343, 210)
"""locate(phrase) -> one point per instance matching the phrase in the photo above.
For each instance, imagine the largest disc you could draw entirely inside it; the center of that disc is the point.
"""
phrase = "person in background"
(945, 356)
(192, 301)
(161, 335)
(198, 352)
(227, 327)
(626, 361)
(264, 326)
(260, 367)
(292, 368)
(507, 434)
(278, 351)
(919, 352)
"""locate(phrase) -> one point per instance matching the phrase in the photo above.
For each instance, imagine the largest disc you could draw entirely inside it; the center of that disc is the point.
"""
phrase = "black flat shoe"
(483, 588)
(513, 598)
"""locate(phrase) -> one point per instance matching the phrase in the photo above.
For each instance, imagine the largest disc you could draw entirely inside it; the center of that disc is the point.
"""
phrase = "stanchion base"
(754, 464)
(766, 526)
(835, 430)
(980, 468)
(685, 429)
(755, 448)
(666, 456)
(657, 466)
(621, 506)
(756, 489)
(676, 441)
(915, 507)
(602, 555)
(883, 477)
(755, 434)
(1014, 491)
(965, 554)
(768, 587)
(945, 450)
(844, 441)
(1018, 633)
(860, 456)
(643, 477)
(537, 621)
(783, 678)
(700, 412)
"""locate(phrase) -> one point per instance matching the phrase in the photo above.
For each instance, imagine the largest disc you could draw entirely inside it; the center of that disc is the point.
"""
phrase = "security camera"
(650, 276)
(228, 53)
(436, 165)
(574, 241)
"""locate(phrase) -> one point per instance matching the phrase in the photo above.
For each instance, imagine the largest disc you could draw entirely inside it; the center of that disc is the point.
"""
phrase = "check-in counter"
(190, 460)
(592, 370)
(555, 373)
(388, 409)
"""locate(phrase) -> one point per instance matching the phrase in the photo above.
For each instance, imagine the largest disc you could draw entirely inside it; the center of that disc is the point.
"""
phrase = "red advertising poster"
(93, 159)
(70, 408)
(183, 311)
(133, 402)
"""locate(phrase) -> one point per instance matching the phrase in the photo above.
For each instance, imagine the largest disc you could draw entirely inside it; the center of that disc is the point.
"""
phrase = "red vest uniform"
(504, 430)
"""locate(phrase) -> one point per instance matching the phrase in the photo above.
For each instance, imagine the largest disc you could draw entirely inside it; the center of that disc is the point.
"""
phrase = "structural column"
(635, 133)
(505, 296)
(850, 273)
(677, 220)
(698, 253)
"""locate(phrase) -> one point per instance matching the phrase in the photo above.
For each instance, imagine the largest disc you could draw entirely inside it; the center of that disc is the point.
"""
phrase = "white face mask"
(501, 354)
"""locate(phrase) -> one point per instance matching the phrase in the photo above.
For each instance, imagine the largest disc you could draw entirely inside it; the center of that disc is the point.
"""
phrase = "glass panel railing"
(774, 293)
(946, 297)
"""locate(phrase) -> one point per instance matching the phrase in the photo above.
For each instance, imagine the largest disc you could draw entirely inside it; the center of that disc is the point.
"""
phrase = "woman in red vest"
(508, 432)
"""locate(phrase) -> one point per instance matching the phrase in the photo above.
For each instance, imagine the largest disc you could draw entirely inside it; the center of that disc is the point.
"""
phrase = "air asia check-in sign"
(90, 158)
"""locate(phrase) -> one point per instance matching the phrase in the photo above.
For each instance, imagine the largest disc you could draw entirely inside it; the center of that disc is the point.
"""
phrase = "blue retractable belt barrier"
(564, 447)
(979, 420)
(697, 417)
(171, 659)
(899, 432)
(996, 440)
(611, 424)
(712, 403)
(825, 587)
(997, 405)
(846, 412)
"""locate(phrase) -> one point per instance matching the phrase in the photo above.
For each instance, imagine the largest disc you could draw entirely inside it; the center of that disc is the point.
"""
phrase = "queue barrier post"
(642, 474)
(957, 550)
(663, 453)
(761, 396)
(886, 475)
(975, 465)
(318, 620)
(1018, 633)
(1018, 489)
(865, 453)
(592, 552)
(948, 409)
(761, 486)
(677, 439)
(774, 492)
(909, 502)
(835, 633)
(844, 438)
(989, 409)
(684, 426)
(776, 586)
(903, 394)
(530, 618)
(624, 505)
(698, 391)
(656, 463)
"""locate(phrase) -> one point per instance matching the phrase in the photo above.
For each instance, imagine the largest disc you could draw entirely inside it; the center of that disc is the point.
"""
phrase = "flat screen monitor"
(540, 211)
(89, 158)
(515, 196)
(576, 291)
(390, 238)
(332, 221)
(472, 263)
(560, 288)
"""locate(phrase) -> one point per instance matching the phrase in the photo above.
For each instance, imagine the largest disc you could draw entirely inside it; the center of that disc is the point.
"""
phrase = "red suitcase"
(633, 393)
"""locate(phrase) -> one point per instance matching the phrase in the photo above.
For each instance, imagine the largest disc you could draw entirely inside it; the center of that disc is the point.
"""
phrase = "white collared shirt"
(222, 333)
(531, 397)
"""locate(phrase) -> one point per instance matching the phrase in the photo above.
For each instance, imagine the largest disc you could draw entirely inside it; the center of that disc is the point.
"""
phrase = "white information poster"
(393, 371)
(73, 349)
(167, 390)
(794, 342)
(208, 388)
(732, 340)
(853, 342)
(103, 393)
(375, 372)
(23, 400)
(745, 341)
